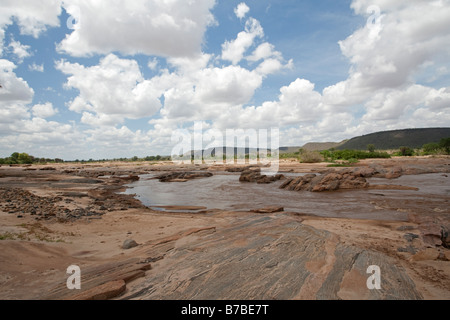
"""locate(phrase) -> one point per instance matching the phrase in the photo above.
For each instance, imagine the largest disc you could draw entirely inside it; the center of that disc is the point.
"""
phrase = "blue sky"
(121, 78)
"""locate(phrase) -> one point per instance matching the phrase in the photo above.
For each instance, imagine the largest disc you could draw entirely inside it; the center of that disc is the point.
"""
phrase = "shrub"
(311, 157)
(371, 147)
(348, 163)
(352, 154)
(406, 152)
(431, 148)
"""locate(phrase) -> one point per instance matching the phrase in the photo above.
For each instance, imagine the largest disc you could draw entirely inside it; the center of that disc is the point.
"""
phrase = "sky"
(106, 79)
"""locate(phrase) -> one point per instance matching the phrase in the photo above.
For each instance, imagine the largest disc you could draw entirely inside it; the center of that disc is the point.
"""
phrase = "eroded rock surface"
(326, 182)
(268, 258)
(254, 175)
(182, 176)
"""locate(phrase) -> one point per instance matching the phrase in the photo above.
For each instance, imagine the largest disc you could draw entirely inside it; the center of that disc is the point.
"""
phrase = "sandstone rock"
(103, 292)
(431, 233)
(270, 257)
(128, 244)
(182, 176)
(236, 169)
(128, 178)
(446, 254)
(330, 180)
(426, 254)
(364, 172)
(394, 173)
(269, 210)
(286, 183)
(294, 183)
(250, 176)
(254, 175)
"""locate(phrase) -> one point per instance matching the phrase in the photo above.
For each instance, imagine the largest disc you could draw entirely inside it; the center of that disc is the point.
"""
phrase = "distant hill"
(386, 140)
(320, 146)
(288, 149)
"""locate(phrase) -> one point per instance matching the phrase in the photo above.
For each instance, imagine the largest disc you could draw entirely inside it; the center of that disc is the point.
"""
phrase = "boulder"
(364, 172)
(354, 182)
(255, 175)
(286, 183)
(431, 233)
(393, 173)
(329, 180)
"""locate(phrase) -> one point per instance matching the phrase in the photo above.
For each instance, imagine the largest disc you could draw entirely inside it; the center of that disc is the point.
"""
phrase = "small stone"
(408, 249)
(410, 237)
(128, 244)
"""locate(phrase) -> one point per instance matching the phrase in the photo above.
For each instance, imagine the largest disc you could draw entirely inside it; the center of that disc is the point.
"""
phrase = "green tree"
(430, 148)
(371, 147)
(445, 144)
(24, 158)
(15, 156)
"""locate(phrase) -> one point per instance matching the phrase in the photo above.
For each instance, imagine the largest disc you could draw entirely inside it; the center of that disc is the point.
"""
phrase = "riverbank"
(72, 214)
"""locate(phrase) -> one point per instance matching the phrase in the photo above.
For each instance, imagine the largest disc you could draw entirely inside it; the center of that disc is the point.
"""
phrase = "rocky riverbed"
(60, 215)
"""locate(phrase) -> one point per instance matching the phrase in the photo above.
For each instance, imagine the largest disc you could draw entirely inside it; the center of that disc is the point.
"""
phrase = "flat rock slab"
(270, 257)
(180, 208)
(268, 210)
(105, 291)
(100, 282)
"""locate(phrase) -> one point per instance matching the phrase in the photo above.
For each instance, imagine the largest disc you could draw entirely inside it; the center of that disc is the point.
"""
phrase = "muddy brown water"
(224, 191)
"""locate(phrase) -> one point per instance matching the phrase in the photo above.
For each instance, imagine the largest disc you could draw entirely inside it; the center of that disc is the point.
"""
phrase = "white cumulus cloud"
(111, 91)
(43, 111)
(165, 28)
(241, 10)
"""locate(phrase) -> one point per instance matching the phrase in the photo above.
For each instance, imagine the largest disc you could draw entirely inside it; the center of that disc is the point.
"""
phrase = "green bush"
(405, 152)
(431, 148)
(445, 145)
(348, 163)
(352, 154)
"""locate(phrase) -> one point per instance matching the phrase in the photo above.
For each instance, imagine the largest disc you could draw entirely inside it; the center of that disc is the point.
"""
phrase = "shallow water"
(224, 191)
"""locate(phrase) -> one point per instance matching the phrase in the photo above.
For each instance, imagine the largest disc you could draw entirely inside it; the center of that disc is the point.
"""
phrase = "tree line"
(25, 158)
